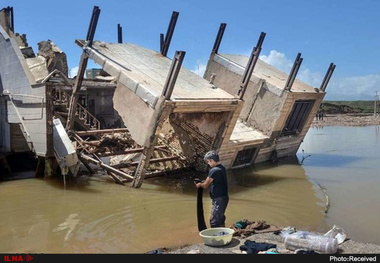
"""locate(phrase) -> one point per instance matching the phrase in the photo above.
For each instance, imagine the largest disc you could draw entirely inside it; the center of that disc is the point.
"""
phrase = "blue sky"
(345, 33)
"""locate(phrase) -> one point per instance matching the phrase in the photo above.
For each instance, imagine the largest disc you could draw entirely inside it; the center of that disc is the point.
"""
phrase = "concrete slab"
(145, 71)
(269, 73)
(243, 133)
(25, 99)
(38, 68)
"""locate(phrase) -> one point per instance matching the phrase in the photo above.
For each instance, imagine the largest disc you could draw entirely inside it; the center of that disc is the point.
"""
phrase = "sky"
(343, 32)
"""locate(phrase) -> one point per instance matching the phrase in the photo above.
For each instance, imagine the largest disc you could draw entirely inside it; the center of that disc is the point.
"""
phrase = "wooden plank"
(107, 167)
(155, 160)
(128, 151)
(95, 132)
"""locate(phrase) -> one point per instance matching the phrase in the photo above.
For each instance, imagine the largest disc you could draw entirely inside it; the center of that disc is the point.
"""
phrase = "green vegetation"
(359, 106)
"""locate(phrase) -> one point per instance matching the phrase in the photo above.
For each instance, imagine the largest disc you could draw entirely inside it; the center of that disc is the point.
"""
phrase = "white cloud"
(73, 72)
(342, 88)
(278, 60)
(353, 88)
(312, 78)
(200, 69)
(339, 88)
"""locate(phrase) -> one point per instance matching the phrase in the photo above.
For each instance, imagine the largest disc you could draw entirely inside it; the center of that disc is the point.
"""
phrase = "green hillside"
(359, 106)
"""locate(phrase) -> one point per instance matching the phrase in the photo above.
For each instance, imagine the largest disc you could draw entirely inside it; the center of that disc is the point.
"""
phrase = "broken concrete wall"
(265, 110)
(140, 119)
(25, 101)
(37, 66)
(5, 144)
(138, 107)
(288, 145)
(100, 104)
(15, 73)
(261, 106)
(195, 133)
(55, 58)
(5, 22)
(223, 77)
(29, 112)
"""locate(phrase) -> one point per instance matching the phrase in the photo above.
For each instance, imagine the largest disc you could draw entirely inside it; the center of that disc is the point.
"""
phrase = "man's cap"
(212, 155)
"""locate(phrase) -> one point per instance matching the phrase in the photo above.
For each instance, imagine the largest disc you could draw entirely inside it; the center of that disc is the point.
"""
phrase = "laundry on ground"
(244, 227)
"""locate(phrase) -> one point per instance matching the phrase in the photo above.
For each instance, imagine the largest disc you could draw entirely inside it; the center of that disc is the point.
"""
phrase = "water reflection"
(99, 216)
(344, 160)
(103, 217)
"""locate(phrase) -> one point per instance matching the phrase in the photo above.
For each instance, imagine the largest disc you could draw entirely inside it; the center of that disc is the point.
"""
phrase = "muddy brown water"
(98, 216)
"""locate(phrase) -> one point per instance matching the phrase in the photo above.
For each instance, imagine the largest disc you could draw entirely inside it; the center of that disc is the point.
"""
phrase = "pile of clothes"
(252, 247)
(245, 228)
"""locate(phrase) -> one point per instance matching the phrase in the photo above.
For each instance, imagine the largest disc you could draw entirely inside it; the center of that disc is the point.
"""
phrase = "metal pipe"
(82, 69)
(173, 74)
(119, 34)
(327, 77)
(166, 43)
(293, 72)
(12, 19)
(251, 65)
(218, 38)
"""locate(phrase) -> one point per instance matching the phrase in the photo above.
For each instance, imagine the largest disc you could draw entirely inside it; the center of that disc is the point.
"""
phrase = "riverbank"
(347, 247)
(346, 120)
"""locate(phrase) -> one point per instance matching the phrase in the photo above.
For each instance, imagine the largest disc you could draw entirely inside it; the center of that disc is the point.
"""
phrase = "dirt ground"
(347, 247)
(346, 120)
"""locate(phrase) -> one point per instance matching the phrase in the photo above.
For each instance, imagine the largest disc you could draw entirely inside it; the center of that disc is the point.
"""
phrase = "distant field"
(359, 106)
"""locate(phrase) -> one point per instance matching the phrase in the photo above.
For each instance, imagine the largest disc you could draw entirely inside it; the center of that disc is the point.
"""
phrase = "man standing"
(216, 181)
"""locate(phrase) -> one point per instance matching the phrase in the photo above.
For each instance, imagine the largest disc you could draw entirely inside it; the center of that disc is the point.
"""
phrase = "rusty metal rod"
(293, 72)
(119, 34)
(327, 77)
(173, 74)
(251, 65)
(168, 37)
(81, 71)
(218, 38)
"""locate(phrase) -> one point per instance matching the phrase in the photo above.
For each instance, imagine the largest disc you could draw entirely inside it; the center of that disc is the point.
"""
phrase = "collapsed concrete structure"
(162, 118)
(278, 108)
(24, 118)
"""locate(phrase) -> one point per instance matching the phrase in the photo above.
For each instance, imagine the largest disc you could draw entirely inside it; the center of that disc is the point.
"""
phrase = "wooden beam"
(105, 166)
(95, 132)
(86, 164)
(128, 151)
(142, 165)
(155, 160)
